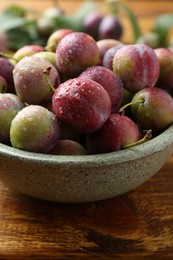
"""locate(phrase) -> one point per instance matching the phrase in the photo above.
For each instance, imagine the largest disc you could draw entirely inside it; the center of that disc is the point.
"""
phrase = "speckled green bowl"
(83, 178)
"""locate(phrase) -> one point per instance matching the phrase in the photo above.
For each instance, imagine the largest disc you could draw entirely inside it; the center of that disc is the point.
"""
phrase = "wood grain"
(136, 225)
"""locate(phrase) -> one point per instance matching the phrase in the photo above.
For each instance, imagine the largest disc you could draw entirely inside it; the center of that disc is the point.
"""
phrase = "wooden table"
(136, 225)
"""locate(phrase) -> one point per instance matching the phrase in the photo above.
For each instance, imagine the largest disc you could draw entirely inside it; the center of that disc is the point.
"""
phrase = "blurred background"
(143, 13)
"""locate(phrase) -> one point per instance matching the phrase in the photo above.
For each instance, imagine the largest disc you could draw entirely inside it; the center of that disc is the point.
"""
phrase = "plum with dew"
(118, 131)
(137, 65)
(35, 129)
(30, 82)
(75, 52)
(10, 105)
(81, 104)
(109, 80)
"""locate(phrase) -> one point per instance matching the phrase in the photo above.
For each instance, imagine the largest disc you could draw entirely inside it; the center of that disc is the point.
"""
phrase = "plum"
(29, 80)
(47, 55)
(3, 85)
(137, 65)
(55, 38)
(153, 108)
(109, 55)
(110, 27)
(6, 71)
(81, 104)
(165, 57)
(35, 129)
(109, 80)
(69, 147)
(27, 50)
(91, 23)
(118, 131)
(10, 105)
(106, 44)
(75, 52)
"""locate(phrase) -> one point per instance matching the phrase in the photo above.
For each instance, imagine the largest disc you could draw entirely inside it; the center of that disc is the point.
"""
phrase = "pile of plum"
(79, 96)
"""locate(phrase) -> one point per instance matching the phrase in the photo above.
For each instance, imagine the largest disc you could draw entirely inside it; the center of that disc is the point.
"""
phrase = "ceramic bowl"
(83, 178)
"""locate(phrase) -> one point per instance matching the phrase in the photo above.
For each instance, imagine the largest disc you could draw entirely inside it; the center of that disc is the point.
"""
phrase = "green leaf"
(15, 10)
(13, 36)
(164, 21)
(133, 20)
(85, 8)
(67, 21)
(162, 25)
(9, 22)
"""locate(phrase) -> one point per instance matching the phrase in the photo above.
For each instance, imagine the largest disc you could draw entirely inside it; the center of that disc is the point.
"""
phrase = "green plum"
(35, 129)
(10, 105)
(153, 109)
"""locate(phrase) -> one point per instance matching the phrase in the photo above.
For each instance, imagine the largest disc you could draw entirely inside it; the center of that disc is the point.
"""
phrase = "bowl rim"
(154, 145)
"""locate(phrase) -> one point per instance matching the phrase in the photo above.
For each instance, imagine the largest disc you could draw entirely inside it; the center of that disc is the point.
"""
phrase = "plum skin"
(69, 147)
(29, 81)
(27, 50)
(10, 105)
(109, 55)
(155, 110)
(165, 57)
(137, 65)
(6, 71)
(91, 23)
(81, 104)
(55, 38)
(117, 131)
(34, 129)
(75, 52)
(109, 80)
(105, 44)
(110, 28)
(3, 85)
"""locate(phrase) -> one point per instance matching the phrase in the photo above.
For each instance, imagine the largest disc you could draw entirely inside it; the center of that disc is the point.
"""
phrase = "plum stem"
(146, 138)
(46, 73)
(122, 109)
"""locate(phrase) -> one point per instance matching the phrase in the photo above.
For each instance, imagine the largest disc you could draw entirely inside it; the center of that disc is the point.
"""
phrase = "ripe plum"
(75, 52)
(69, 147)
(81, 104)
(110, 28)
(30, 83)
(91, 23)
(6, 71)
(109, 80)
(137, 65)
(109, 55)
(105, 44)
(3, 85)
(165, 57)
(118, 130)
(155, 111)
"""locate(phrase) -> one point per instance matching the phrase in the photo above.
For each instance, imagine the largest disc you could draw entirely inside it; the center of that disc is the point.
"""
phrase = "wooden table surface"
(136, 225)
